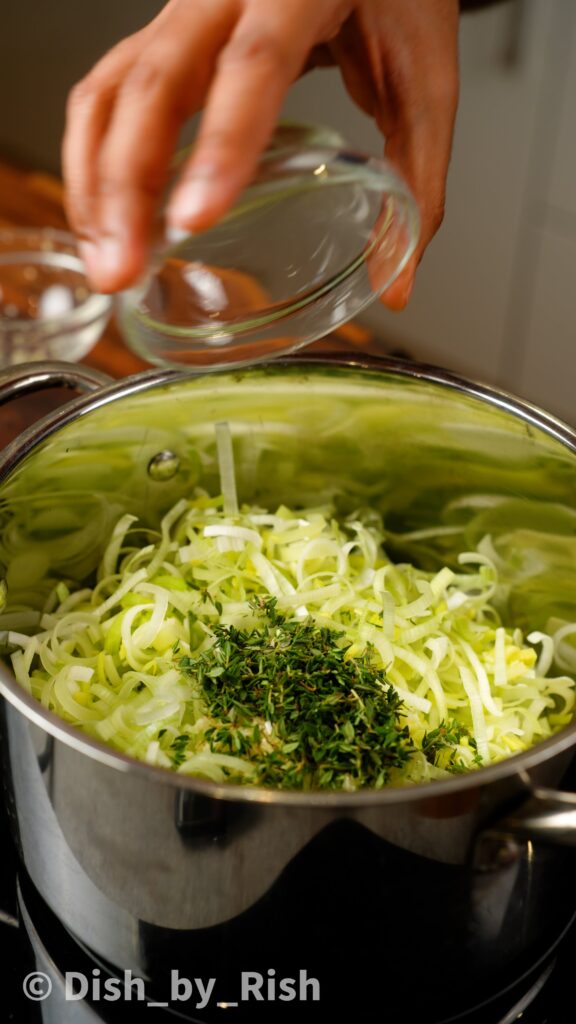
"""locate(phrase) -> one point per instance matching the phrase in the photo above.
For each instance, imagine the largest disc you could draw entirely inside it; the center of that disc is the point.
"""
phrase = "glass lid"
(319, 233)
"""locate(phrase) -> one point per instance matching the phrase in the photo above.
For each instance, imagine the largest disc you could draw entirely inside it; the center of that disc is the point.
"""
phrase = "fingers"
(88, 112)
(400, 63)
(120, 143)
(124, 119)
(266, 52)
(240, 56)
(423, 97)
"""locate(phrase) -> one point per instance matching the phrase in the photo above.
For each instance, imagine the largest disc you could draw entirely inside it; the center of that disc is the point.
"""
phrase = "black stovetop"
(40, 941)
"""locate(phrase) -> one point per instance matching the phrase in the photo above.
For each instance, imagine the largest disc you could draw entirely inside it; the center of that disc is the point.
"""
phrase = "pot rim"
(164, 376)
(55, 726)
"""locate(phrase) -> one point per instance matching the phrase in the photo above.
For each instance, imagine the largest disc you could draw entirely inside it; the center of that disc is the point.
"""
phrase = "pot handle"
(547, 816)
(17, 381)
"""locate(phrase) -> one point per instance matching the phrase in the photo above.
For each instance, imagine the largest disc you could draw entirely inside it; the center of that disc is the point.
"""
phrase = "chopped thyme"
(289, 698)
(178, 749)
(436, 746)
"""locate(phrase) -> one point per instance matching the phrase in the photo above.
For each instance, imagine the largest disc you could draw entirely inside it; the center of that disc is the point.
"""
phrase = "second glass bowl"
(47, 308)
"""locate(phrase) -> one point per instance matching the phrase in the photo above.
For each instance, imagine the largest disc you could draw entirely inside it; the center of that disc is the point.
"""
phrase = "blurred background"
(496, 294)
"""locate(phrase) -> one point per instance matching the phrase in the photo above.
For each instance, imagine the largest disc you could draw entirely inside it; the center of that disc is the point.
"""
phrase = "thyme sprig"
(439, 745)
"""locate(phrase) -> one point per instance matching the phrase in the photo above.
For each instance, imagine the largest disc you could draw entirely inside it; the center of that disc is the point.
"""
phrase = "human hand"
(237, 59)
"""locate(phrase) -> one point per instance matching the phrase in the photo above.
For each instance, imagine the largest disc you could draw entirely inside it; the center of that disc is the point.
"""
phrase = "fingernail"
(189, 203)
(103, 261)
(88, 252)
(110, 256)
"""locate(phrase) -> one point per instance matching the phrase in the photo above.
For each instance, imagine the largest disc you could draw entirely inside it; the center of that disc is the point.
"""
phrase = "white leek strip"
(419, 665)
(73, 600)
(237, 532)
(562, 687)
(80, 673)
(475, 558)
(318, 550)
(274, 581)
(565, 653)
(341, 601)
(388, 615)
(486, 548)
(29, 653)
(439, 646)
(152, 751)
(167, 522)
(265, 519)
(110, 557)
(420, 605)
(210, 766)
(455, 600)
(366, 541)
(424, 669)
(226, 469)
(412, 700)
(180, 599)
(146, 634)
(411, 634)
(65, 686)
(130, 648)
(157, 710)
(229, 544)
(434, 684)
(441, 581)
(500, 669)
(192, 552)
(132, 561)
(49, 660)
(544, 663)
(125, 587)
(299, 530)
(482, 679)
(21, 670)
(19, 639)
(476, 712)
(20, 619)
(315, 596)
(104, 693)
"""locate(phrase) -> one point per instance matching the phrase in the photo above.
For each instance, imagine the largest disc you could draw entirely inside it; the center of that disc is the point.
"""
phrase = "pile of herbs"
(290, 699)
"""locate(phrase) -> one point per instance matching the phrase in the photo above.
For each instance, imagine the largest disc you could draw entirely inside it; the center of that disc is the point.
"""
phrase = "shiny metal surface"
(125, 853)
(547, 816)
(25, 379)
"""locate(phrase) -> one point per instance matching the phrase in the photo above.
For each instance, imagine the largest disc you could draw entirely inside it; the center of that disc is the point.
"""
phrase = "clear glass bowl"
(47, 308)
(320, 232)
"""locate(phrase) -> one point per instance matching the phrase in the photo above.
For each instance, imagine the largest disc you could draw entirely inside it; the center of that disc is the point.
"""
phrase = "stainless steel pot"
(466, 881)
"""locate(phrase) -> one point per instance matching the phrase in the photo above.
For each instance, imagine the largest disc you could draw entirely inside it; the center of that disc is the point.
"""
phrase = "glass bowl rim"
(364, 165)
